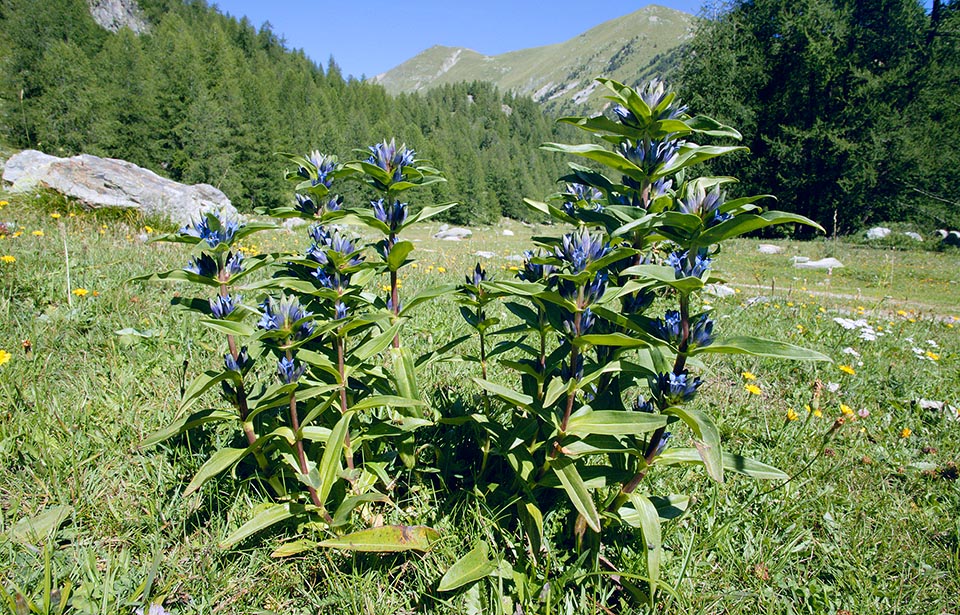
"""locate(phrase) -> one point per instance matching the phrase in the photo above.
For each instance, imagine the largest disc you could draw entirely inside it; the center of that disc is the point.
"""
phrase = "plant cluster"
(588, 392)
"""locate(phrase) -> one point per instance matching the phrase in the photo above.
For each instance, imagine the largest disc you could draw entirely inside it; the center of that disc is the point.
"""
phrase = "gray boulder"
(107, 182)
(769, 248)
(823, 263)
(878, 232)
(113, 15)
(455, 233)
(507, 232)
(913, 236)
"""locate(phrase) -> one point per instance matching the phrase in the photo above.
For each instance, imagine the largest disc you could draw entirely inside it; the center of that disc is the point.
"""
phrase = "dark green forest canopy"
(849, 107)
(206, 98)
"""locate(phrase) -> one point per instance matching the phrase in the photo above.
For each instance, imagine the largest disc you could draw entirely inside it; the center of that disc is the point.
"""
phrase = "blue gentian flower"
(391, 215)
(290, 370)
(305, 204)
(701, 333)
(479, 275)
(637, 302)
(203, 265)
(682, 266)
(641, 405)
(650, 155)
(340, 310)
(594, 290)
(533, 272)
(223, 233)
(319, 234)
(669, 328)
(223, 306)
(671, 389)
(653, 94)
(390, 158)
(580, 248)
(662, 444)
(233, 264)
(704, 204)
(325, 165)
(581, 193)
(282, 315)
(241, 364)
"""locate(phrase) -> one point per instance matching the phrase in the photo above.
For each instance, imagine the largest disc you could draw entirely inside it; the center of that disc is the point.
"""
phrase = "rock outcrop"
(116, 14)
(107, 182)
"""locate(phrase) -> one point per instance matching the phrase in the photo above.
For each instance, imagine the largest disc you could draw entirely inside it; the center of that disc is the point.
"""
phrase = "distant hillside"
(629, 49)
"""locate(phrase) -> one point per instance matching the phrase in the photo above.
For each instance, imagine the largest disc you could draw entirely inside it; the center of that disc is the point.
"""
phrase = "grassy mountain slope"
(629, 48)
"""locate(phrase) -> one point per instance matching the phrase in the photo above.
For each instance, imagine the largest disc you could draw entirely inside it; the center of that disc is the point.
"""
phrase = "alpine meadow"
(662, 318)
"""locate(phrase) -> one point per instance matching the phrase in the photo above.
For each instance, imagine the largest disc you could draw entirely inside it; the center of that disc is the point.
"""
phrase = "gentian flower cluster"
(706, 205)
(325, 165)
(241, 364)
(670, 389)
(392, 215)
(203, 265)
(650, 155)
(581, 193)
(682, 266)
(284, 316)
(345, 253)
(534, 272)
(222, 234)
(390, 158)
(308, 206)
(222, 306)
(290, 370)
(580, 248)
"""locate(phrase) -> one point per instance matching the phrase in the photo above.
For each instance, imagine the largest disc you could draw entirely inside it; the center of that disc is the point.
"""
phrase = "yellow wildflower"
(37, 233)
(753, 389)
(441, 269)
(7, 258)
(4, 356)
(791, 415)
(822, 310)
(80, 292)
(55, 215)
(148, 229)
(515, 268)
(901, 313)
(932, 355)
(789, 303)
(846, 369)
(905, 432)
(3, 203)
(748, 376)
(846, 409)
(17, 234)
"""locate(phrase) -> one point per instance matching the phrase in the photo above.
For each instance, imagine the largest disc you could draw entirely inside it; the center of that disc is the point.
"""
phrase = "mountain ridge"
(560, 75)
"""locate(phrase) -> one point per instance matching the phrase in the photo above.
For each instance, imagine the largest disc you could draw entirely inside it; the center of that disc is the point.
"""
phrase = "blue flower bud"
(701, 333)
(283, 315)
(233, 264)
(222, 232)
(203, 265)
(533, 272)
(670, 327)
(223, 306)
(390, 158)
(671, 389)
(391, 215)
(580, 248)
(684, 268)
(241, 364)
(640, 405)
(341, 310)
(289, 370)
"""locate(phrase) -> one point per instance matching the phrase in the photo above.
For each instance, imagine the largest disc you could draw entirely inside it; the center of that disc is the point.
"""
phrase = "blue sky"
(372, 36)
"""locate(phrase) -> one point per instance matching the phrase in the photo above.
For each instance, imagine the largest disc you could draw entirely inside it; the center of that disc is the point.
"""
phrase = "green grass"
(870, 523)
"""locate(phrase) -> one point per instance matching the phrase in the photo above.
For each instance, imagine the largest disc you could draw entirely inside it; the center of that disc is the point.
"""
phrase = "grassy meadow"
(90, 364)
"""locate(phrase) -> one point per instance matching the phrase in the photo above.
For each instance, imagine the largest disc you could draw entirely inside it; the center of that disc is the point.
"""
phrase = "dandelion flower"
(55, 215)
(905, 432)
(846, 369)
(4, 356)
(753, 389)
(847, 410)
(748, 376)
(37, 233)
(791, 415)
(17, 234)
(932, 355)
(7, 258)
(441, 269)
(80, 292)
(901, 313)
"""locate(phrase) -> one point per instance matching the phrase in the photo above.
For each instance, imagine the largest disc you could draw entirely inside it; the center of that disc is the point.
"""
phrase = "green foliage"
(841, 104)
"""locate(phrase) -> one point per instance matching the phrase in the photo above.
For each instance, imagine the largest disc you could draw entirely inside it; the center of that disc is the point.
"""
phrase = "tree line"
(851, 108)
(207, 98)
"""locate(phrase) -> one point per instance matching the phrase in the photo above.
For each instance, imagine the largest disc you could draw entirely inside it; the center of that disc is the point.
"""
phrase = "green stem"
(298, 444)
(394, 293)
(341, 367)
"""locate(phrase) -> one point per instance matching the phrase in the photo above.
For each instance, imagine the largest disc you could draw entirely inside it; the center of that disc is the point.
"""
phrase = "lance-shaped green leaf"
(671, 506)
(294, 547)
(691, 154)
(217, 463)
(760, 347)
(566, 471)
(665, 275)
(425, 295)
(376, 344)
(510, 396)
(550, 210)
(329, 467)
(228, 327)
(644, 515)
(427, 212)
(744, 223)
(600, 154)
(708, 438)
(265, 518)
(342, 516)
(398, 255)
(202, 384)
(731, 462)
(613, 423)
(177, 275)
(405, 373)
(473, 566)
(619, 340)
(209, 415)
(379, 401)
(386, 539)
(628, 97)
(711, 127)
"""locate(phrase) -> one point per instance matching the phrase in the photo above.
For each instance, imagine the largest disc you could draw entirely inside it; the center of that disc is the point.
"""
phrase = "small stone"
(483, 254)
(719, 290)
(823, 263)
(507, 233)
(878, 232)
(456, 233)
(914, 236)
(800, 259)
(769, 248)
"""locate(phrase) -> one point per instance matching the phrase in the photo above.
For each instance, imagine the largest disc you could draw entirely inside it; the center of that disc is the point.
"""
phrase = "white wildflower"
(850, 351)
(833, 387)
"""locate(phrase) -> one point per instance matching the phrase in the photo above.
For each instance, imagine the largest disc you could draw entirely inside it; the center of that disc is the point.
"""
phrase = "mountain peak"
(630, 48)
